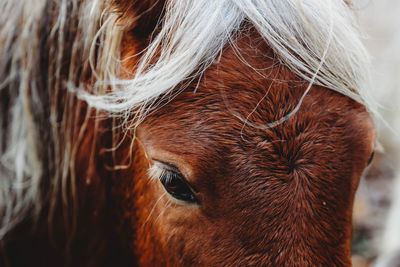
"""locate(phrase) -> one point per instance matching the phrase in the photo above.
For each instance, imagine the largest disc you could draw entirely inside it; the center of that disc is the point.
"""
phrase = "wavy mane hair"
(56, 53)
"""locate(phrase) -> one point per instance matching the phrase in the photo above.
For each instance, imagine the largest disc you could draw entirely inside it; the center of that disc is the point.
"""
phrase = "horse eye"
(173, 182)
(177, 187)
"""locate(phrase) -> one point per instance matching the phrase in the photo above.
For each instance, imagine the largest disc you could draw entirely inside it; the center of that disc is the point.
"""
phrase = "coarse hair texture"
(318, 40)
(47, 48)
(53, 50)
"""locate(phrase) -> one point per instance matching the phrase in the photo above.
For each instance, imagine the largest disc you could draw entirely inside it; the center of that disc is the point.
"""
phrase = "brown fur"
(138, 16)
(269, 197)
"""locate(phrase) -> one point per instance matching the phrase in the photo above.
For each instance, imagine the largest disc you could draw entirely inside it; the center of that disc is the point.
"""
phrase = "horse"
(181, 133)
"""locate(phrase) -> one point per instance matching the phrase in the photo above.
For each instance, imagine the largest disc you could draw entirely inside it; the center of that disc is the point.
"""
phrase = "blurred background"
(376, 236)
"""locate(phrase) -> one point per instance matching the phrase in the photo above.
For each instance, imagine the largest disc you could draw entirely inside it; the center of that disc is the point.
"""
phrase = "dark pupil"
(177, 187)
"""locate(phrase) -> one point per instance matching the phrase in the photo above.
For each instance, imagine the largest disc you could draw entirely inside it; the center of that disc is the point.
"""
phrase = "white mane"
(37, 38)
(316, 39)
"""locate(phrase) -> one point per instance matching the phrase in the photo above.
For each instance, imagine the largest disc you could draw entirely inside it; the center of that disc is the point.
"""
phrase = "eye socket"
(173, 182)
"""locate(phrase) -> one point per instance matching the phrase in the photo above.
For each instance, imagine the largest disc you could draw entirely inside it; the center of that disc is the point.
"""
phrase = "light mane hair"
(318, 40)
(47, 48)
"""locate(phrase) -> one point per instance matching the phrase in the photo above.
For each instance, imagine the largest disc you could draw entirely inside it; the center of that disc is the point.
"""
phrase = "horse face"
(212, 185)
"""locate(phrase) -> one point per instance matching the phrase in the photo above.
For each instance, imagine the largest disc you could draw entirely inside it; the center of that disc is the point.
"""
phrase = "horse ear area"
(139, 16)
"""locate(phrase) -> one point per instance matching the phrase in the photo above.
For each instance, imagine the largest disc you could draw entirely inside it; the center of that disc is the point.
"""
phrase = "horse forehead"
(238, 122)
(230, 108)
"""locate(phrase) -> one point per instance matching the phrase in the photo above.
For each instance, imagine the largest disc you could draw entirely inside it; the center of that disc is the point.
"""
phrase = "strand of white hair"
(45, 47)
(318, 40)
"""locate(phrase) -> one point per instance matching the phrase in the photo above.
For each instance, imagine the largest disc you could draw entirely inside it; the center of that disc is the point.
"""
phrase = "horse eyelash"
(157, 172)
